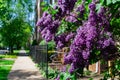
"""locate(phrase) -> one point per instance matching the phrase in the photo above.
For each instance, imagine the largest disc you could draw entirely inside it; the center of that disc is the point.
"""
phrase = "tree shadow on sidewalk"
(25, 75)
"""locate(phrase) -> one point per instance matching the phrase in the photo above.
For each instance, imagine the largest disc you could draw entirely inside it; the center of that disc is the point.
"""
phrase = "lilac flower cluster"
(93, 34)
(58, 77)
(63, 39)
(81, 10)
(48, 26)
(105, 42)
(70, 36)
(66, 5)
(72, 18)
(60, 40)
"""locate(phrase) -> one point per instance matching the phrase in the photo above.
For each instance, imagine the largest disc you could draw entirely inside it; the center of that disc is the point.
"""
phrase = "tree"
(15, 20)
(14, 34)
(0, 41)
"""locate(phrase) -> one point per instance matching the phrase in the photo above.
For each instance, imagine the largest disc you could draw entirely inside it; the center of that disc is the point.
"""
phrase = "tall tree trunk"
(18, 46)
(11, 49)
(38, 9)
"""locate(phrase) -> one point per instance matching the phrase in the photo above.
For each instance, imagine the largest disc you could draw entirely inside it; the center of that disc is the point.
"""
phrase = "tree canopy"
(15, 22)
(16, 32)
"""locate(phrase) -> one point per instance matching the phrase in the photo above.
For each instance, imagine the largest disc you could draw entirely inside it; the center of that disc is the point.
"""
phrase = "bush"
(51, 44)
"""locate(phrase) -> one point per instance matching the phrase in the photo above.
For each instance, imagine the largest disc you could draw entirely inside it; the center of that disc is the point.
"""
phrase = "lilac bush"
(91, 36)
(91, 39)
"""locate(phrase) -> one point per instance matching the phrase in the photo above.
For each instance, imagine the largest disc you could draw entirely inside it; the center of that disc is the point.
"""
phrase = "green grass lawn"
(16, 51)
(8, 56)
(6, 62)
(27, 51)
(5, 66)
(4, 71)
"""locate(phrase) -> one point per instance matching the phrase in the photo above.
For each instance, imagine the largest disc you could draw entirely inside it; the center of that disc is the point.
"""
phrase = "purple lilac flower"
(71, 18)
(69, 36)
(92, 6)
(81, 9)
(58, 77)
(68, 59)
(72, 68)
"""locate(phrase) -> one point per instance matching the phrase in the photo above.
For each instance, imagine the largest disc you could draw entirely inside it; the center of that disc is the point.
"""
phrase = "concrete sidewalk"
(24, 69)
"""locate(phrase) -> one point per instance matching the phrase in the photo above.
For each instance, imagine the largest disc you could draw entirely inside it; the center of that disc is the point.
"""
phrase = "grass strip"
(5, 67)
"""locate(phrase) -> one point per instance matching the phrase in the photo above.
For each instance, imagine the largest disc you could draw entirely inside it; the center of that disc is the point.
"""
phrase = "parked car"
(4, 51)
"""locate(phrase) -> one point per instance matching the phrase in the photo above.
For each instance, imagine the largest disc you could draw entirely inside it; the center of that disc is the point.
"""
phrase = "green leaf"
(73, 77)
(45, 8)
(43, 3)
(97, 52)
(66, 75)
(61, 75)
(109, 2)
(114, 1)
(98, 6)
